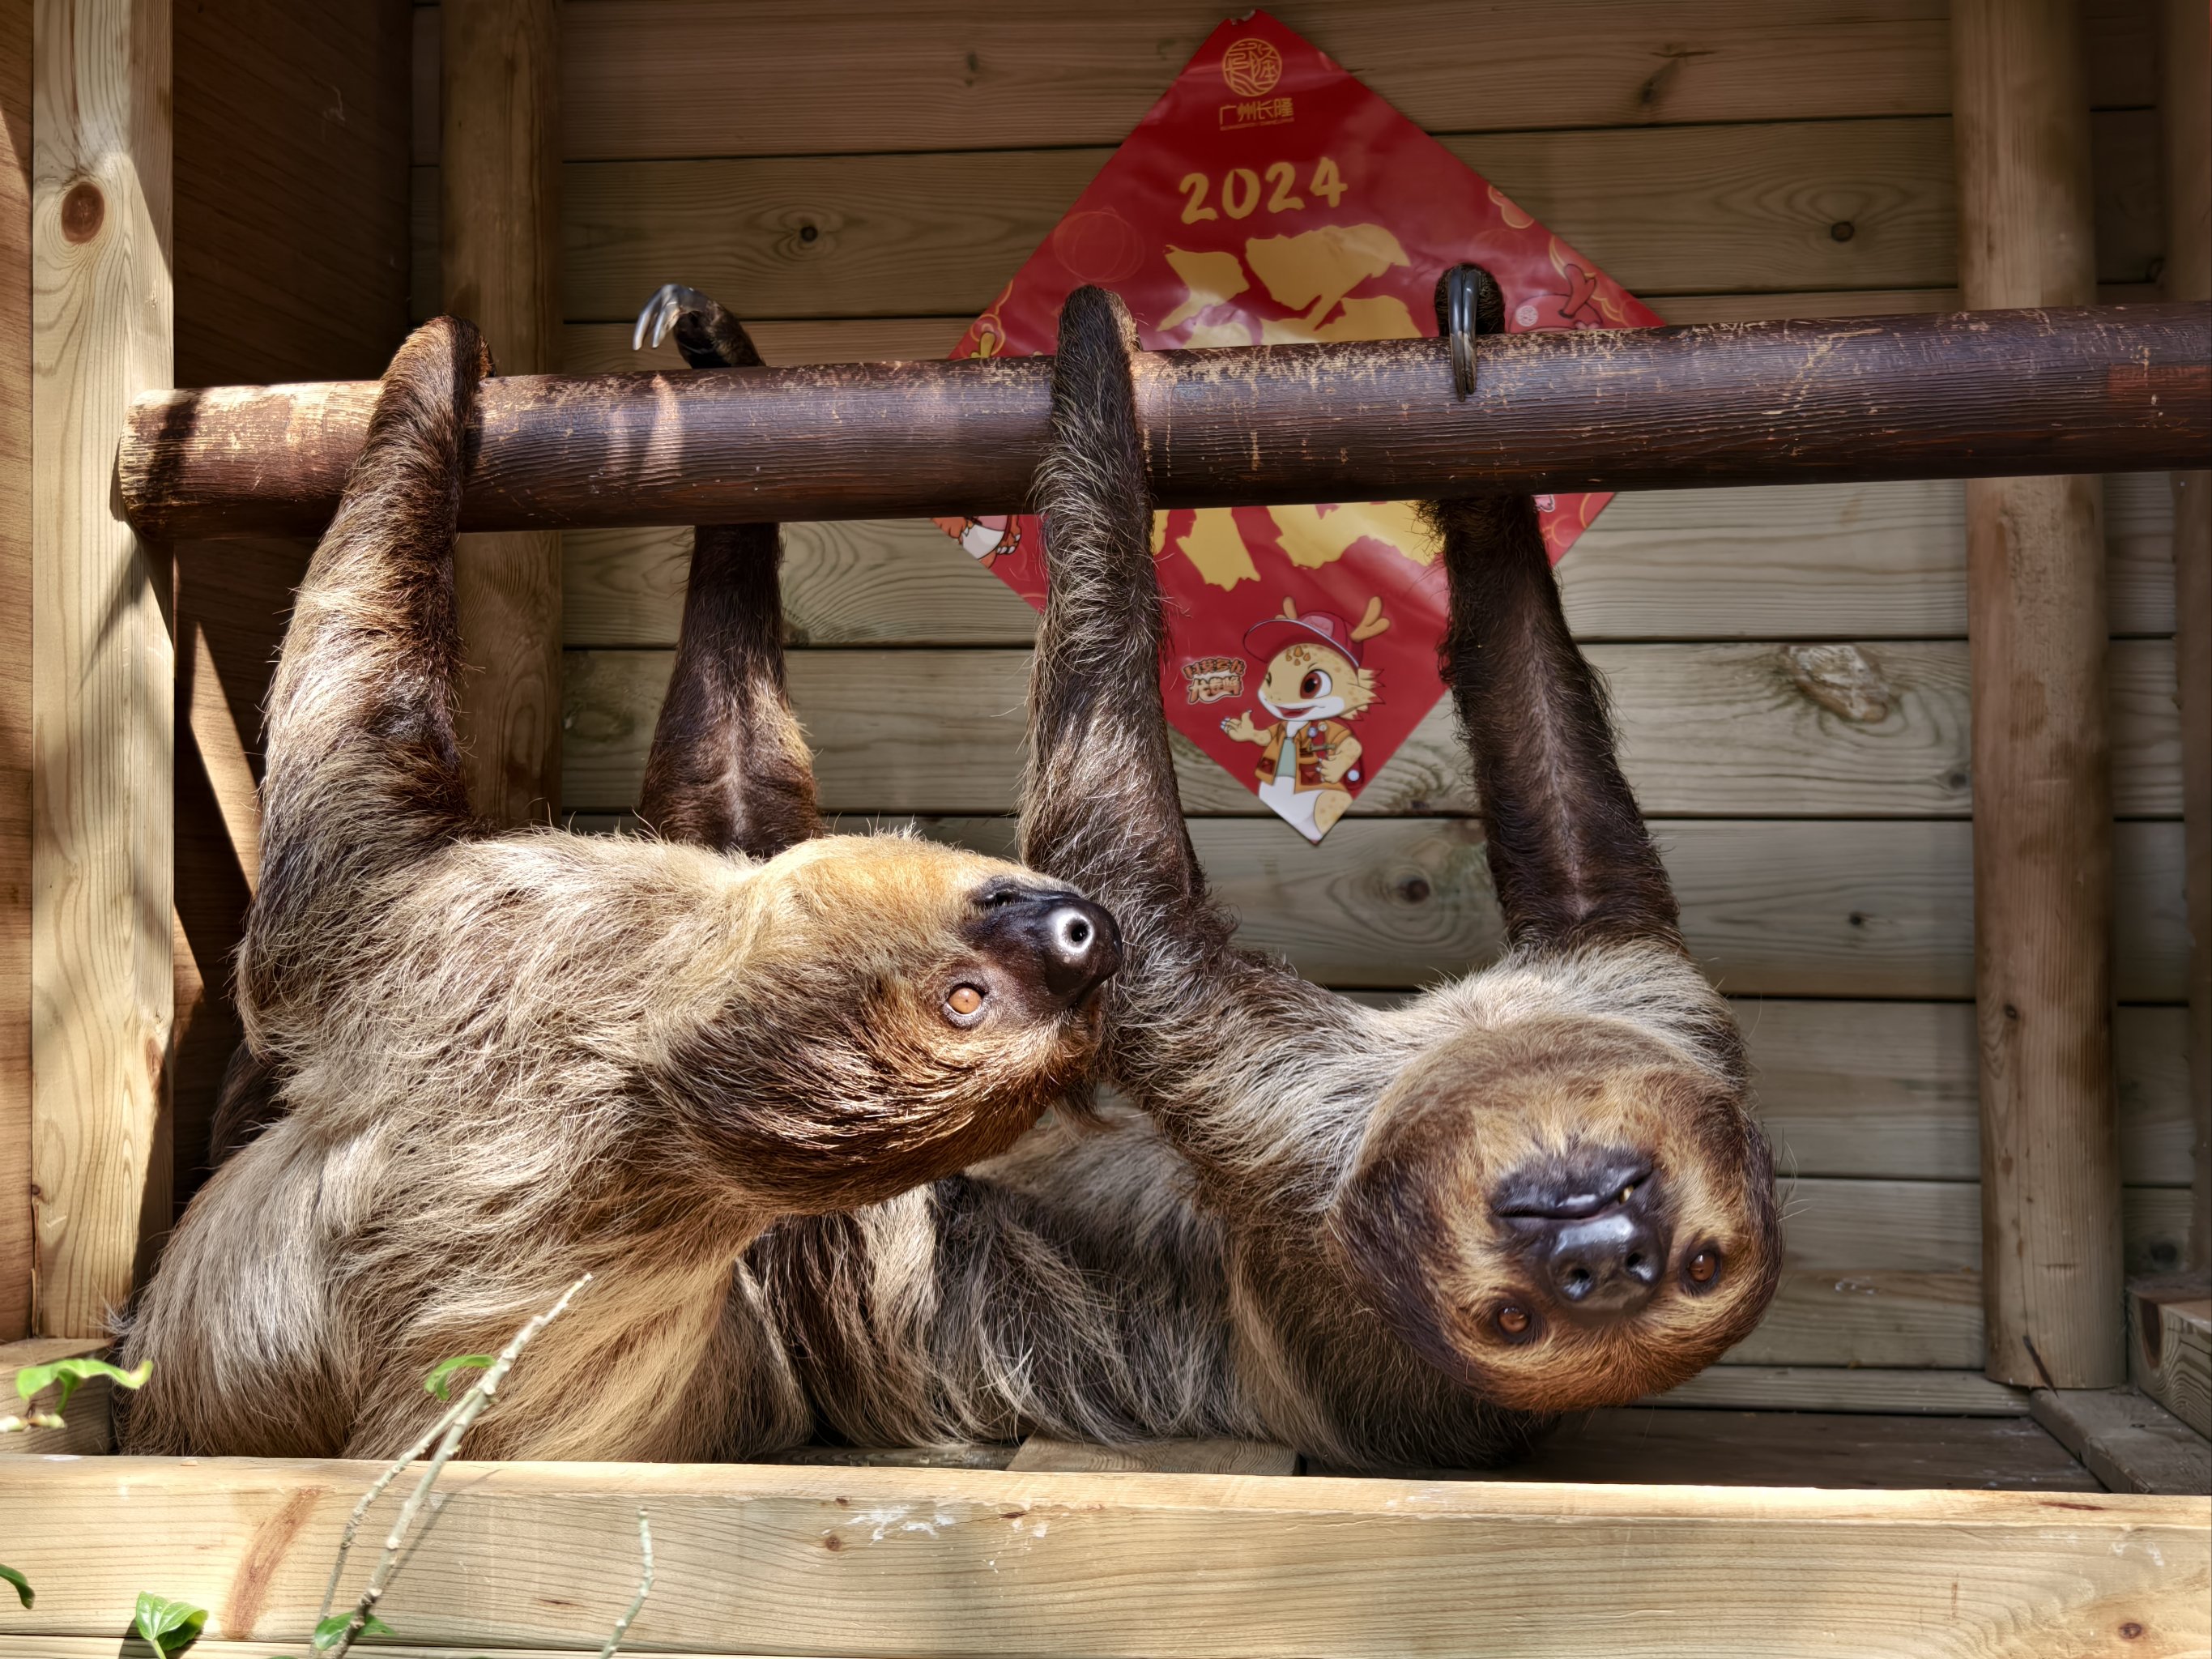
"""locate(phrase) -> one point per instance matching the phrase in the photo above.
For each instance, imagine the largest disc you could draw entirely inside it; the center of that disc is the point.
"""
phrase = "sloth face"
(902, 1009)
(1563, 1218)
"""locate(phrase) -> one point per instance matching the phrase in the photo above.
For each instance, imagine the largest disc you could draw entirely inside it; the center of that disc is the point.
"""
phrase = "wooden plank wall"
(16, 1245)
(291, 214)
(858, 180)
(101, 869)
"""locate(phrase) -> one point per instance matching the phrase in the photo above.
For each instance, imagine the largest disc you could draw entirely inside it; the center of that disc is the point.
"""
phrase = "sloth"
(1383, 1237)
(484, 1064)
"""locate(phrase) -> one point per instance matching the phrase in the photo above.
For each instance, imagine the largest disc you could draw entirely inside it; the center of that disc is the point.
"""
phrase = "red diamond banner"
(1269, 197)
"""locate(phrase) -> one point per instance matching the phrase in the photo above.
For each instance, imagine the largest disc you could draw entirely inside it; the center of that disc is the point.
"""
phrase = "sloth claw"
(666, 307)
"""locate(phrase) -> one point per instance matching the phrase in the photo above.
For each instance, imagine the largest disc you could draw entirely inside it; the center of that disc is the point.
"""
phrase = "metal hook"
(1463, 310)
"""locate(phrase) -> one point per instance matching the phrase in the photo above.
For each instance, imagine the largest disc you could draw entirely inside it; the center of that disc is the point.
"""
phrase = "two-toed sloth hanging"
(481, 1063)
(1270, 197)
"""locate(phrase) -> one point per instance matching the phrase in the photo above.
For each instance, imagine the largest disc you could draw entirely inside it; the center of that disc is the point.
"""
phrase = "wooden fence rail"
(538, 1558)
(1971, 394)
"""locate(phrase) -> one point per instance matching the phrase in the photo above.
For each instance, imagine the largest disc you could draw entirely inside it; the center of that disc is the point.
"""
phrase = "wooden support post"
(501, 171)
(15, 1252)
(2043, 836)
(2187, 63)
(101, 661)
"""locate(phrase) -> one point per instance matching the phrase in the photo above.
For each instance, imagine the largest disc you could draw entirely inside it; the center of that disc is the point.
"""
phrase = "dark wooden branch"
(2096, 389)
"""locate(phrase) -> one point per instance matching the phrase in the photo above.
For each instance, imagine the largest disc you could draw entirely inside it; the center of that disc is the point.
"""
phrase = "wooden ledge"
(891, 1561)
(2170, 1344)
(2129, 1442)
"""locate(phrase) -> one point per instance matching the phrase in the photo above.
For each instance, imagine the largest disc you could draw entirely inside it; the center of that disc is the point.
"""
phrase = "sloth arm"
(364, 775)
(729, 767)
(1571, 858)
(1192, 1023)
(1569, 854)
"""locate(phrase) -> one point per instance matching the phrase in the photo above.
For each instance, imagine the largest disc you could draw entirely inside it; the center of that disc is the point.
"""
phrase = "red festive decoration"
(1269, 196)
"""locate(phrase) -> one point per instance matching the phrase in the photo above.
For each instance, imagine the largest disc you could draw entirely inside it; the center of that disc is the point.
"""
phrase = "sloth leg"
(1569, 854)
(729, 767)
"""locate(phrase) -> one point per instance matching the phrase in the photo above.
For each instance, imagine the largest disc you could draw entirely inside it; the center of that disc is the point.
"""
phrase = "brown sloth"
(1404, 1235)
(484, 1063)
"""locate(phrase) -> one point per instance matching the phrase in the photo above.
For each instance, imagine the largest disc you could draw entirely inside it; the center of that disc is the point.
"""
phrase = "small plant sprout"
(168, 1627)
(445, 1435)
(331, 1631)
(24, 1593)
(440, 1378)
(64, 1377)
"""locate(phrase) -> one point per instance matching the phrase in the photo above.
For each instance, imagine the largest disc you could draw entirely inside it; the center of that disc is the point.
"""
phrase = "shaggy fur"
(487, 1063)
(1292, 1228)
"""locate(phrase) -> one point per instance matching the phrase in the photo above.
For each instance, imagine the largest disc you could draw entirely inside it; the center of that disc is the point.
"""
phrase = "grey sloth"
(480, 1064)
(1401, 1235)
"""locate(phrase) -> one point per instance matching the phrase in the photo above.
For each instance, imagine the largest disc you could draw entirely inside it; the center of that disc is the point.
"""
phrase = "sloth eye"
(1513, 1320)
(1704, 1266)
(1316, 684)
(964, 1001)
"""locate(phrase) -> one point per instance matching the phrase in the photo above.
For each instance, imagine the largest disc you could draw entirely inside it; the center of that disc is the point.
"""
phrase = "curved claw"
(669, 302)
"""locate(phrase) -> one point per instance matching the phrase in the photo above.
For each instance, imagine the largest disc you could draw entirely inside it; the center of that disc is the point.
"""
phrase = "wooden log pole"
(2187, 112)
(501, 167)
(102, 662)
(1651, 409)
(2043, 833)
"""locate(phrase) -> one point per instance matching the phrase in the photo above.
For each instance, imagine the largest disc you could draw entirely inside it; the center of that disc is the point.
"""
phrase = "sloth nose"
(1605, 1265)
(1598, 1232)
(1070, 943)
(1082, 946)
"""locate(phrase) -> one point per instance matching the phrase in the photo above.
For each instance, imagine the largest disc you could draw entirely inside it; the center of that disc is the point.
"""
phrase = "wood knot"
(1841, 678)
(1414, 890)
(84, 210)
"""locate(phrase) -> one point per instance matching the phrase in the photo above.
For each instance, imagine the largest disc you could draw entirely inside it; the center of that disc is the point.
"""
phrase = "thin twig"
(376, 1491)
(452, 1428)
(644, 1588)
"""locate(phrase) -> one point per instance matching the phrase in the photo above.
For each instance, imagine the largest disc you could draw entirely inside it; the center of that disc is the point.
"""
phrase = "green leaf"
(23, 1590)
(63, 1376)
(167, 1626)
(441, 1374)
(332, 1631)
